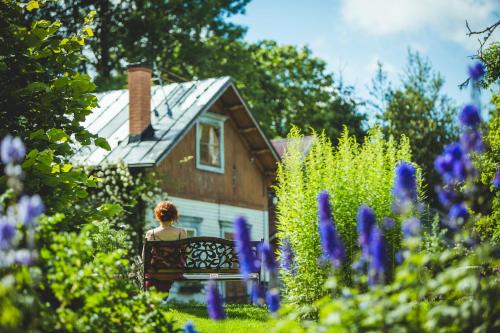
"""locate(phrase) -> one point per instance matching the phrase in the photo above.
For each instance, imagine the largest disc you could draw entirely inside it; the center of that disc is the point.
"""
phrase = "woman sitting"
(166, 214)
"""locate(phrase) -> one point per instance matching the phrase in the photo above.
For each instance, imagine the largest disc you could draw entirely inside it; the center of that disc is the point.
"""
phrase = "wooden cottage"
(202, 141)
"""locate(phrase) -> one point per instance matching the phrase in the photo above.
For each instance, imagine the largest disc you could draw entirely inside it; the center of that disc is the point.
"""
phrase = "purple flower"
(455, 152)
(267, 257)
(258, 293)
(189, 328)
(496, 179)
(24, 257)
(7, 232)
(446, 197)
(458, 213)
(286, 255)
(215, 304)
(388, 223)
(29, 208)
(366, 223)
(378, 251)
(469, 116)
(246, 257)
(12, 150)
(472, 141)
(454, 165)
(411, 227)
(331, 243)
(476, 70)
(273, 300)
(405, 182)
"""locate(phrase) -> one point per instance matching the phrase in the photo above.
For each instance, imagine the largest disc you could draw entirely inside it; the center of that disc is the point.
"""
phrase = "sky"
(353, 35)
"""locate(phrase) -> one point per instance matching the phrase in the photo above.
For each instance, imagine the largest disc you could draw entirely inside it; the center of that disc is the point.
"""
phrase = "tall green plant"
(353, 174)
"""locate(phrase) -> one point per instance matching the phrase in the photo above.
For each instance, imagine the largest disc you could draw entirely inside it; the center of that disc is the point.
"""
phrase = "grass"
(240, 318)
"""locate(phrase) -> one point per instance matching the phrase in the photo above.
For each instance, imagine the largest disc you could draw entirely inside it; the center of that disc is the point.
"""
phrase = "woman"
(166, 214)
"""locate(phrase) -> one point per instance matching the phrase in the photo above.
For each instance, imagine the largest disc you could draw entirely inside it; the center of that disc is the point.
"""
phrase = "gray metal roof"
(174, 110)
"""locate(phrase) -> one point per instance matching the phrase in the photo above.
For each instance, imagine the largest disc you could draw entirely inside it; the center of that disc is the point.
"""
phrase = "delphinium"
(215, 303)
(455, 163)
(18, 216)
(19, 212)
(331, 243)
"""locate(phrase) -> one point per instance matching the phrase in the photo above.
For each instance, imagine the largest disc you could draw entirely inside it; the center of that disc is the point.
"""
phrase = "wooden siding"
(242, 184)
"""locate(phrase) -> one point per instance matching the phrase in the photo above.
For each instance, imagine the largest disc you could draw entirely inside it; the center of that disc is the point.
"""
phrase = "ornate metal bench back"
(192, 255)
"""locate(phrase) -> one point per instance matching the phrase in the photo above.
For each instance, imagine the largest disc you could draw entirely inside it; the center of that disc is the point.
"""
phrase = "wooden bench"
(194, 259)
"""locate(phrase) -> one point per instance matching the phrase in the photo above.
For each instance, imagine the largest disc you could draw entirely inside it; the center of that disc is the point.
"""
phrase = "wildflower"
(246, 257)
(189, 328)
(366, 223)
(454, 165)
(29, 208)
(496, 179)
(286, 255)
(472, 141)
(267, 257)
(476, 71)
(24, 257)
(330, 241)
(469, 116)
(7, 232)
(411, 227)
(388, 223)
(273, 300)
(258, 293)
(458, 213)
(405, 182)
(12, 150)
(378, 251)
(215, 304)
(446, 197)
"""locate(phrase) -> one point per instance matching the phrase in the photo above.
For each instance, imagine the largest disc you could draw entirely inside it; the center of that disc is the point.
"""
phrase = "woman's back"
(168, 233)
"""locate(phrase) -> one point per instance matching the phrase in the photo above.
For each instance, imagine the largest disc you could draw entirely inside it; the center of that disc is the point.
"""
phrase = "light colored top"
(167, 233)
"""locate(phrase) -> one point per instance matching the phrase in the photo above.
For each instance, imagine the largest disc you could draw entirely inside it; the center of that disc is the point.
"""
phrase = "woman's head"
(166, 212)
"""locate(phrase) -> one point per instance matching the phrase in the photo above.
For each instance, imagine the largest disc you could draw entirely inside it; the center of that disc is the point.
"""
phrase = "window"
(191, 224)
(210, 143)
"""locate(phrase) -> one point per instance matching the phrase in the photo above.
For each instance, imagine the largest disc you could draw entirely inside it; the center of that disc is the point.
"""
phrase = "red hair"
(165, 211)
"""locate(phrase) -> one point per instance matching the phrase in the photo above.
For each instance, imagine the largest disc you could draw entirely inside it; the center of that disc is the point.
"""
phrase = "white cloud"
(443, 17)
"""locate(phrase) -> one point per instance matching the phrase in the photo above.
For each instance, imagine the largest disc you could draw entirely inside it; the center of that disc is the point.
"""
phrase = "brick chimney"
(139, 92)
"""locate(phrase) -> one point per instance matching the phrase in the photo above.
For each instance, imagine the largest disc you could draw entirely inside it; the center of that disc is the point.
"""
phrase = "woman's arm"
(183, 233)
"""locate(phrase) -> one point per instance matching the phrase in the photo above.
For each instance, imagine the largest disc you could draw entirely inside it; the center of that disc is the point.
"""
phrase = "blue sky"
(352, 35)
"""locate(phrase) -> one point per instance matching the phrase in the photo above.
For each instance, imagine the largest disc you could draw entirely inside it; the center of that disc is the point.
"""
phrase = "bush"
(353, 174)
(92, 292)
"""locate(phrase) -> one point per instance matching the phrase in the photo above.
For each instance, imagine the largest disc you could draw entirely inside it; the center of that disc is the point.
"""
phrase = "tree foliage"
(420, 110)
(284, 85)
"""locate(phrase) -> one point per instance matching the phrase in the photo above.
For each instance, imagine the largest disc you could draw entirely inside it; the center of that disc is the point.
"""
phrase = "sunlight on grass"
(240, 318)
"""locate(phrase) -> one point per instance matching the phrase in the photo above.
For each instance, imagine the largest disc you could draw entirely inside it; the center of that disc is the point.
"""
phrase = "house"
(202, 141)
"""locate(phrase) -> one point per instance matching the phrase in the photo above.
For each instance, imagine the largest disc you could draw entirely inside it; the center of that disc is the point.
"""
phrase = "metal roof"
(174, 109)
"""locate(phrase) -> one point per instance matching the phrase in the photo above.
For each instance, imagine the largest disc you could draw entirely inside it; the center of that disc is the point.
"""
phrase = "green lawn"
(240, 318)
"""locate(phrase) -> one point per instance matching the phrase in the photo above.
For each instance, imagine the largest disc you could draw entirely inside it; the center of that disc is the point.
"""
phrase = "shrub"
(353, 174)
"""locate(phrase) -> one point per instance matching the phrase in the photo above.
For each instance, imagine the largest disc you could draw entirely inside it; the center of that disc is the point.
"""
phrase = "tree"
(170, 33)
(283, 84)
(43, 100)
(420, 110)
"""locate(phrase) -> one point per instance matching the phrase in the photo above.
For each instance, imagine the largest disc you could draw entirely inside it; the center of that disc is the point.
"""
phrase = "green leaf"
(101, 142)
(110, 210)
(32, 5)
(57, 135)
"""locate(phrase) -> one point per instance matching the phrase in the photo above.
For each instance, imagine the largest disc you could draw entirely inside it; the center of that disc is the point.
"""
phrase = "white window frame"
(213, 119)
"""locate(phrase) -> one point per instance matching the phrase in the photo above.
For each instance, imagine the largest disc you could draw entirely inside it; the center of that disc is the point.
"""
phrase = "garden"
(392, 226)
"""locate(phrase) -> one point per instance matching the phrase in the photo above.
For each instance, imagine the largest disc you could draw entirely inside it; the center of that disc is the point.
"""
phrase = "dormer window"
(210, 143)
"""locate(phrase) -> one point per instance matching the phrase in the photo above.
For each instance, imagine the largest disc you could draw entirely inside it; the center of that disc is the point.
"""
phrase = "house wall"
(211, 220)
(242, 184)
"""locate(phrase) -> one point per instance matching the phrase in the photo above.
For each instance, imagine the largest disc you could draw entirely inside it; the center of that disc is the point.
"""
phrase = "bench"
(193, 259)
